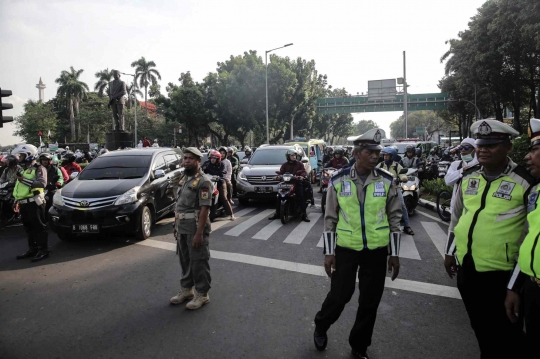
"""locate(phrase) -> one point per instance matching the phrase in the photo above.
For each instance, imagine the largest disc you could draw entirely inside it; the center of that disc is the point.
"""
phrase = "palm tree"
(72, 90)
(104, 78)
(132, 92)
(146, 75)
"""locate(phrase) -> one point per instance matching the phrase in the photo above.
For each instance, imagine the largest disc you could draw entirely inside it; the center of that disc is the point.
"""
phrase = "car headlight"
(57, 198)
(128, 197)
(405, 187)
(242, 176)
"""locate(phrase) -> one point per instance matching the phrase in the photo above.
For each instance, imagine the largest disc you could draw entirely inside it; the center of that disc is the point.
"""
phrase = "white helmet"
(29, 150)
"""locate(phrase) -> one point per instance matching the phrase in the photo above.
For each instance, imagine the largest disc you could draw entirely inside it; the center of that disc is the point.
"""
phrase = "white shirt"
(453, 175)
(139, 145)
(155, 144)
(228, 169)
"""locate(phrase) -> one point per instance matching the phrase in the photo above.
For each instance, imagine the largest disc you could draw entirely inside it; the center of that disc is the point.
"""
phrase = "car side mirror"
(403, 171)
(305, 161)
(173, 167)
(159, 174)
(73, 175)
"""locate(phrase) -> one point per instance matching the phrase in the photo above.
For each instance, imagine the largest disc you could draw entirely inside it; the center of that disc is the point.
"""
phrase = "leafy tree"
(428, 119)
(72, 91)
(132, 92)
(146, 75)
(104, 78)
(364, 125)
(95, 118)
(37, 116)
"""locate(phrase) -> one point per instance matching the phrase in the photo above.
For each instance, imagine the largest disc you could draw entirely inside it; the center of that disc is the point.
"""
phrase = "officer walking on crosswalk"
(361, 229)
(192, 231)
(526, 276)
(487, 223)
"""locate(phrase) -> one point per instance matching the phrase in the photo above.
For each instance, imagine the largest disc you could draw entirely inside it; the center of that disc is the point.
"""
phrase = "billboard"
(382, 90)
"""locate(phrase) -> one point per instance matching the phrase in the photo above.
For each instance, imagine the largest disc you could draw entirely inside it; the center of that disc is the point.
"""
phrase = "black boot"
(320, 340)
(42, 254)
(304, 218)
(28, 254)
(360, 354)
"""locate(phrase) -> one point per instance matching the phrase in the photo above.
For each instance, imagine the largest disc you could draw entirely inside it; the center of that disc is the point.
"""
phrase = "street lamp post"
(135, 104)
(266, 78)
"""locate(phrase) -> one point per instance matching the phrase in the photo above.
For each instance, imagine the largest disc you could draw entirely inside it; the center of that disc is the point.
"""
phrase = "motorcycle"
(217, 209)
(410, 189)
(325, 180)
(443, 168)
(289, 206)
(7, 213)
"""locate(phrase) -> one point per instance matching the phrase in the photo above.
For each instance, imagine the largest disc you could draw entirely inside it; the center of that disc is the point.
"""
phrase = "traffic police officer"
(487, 223)
(192, 231)
(28, 193)
(361, 228)
(526, 276)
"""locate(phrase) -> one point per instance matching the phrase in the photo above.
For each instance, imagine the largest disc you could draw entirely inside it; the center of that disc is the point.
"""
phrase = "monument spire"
(41, 87)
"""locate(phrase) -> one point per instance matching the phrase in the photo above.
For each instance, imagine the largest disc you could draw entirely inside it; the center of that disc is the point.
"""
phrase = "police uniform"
(28, 192)
(487, 224)
(526, 276)
(361, 228)
(193, 193)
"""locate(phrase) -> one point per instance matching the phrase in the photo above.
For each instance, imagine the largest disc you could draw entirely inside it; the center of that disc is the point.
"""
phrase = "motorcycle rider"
(235, 162)
(12, 167)
(28, 193)
(338, 161)
(296, 168)
(410, 160)
(394, 168)
(68, 162)
(455, 171)
(248, 153)
(22, 152)
(228, 173)
(55, 178)
(214, 167)
(328, 154)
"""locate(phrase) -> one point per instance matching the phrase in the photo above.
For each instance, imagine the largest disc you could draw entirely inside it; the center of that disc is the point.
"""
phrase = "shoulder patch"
(472, 169)
(384, 173)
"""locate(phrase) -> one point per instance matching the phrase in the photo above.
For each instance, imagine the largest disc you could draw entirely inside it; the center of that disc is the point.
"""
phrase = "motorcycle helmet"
(26, 149)
(418, 151)
(223, 148)
(68, 157)
(230, 149)
(45, 156)
(247, 150)
(215, 154)
(338, 151)
(11, 161)
(290, 152)
(389, 151)
(410, 148)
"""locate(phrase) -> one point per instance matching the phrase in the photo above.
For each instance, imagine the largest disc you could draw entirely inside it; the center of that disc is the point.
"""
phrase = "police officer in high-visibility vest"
(28, 193)
(526, 276)
(361, 229)
(488, 221)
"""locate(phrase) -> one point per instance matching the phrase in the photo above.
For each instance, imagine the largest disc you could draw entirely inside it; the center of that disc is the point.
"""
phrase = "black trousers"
(35, 225)
(371, 266)
(531, 309)
(483, 294)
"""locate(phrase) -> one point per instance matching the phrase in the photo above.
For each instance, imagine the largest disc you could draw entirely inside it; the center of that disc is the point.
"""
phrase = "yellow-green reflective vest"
(23, 191)
(529, 253)
(362, 225)
(491, 223)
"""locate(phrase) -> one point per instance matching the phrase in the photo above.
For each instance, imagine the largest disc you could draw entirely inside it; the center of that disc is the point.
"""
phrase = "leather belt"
(28, 200)
(184, 216)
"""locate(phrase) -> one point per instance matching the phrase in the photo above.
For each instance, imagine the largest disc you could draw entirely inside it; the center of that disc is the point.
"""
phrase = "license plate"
(3, 192)
(284, 186)
(85, 228)
(263, 189)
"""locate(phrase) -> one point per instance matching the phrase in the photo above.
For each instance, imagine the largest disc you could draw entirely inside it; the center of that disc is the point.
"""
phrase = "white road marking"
(403, 284)
(301, 230)
(218, 224)
(239, 229)
(321, 242)
(437, 235)
(268, 230)
(408, 247)
(433, 217)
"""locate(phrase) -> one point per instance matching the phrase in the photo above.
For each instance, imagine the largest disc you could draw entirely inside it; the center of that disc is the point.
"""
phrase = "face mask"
(467, 158)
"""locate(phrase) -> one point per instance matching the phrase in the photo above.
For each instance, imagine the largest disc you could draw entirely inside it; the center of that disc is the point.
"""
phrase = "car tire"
(243, 201)
(145, 224)
(64, 236)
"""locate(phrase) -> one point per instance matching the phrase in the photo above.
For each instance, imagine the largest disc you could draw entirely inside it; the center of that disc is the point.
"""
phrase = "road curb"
(428, 204)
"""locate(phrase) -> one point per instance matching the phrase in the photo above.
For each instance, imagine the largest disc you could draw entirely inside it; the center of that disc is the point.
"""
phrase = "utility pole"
(405, 109)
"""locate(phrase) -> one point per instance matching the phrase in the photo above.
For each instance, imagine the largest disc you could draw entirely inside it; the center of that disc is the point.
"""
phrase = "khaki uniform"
(193, 193)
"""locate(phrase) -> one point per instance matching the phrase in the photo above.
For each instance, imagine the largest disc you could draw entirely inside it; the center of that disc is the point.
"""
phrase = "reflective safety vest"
(492, 220)
(23, 191)
(362, 225)
(529, 253)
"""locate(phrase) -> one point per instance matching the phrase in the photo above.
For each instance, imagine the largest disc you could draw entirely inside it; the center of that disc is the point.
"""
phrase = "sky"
(351, 42)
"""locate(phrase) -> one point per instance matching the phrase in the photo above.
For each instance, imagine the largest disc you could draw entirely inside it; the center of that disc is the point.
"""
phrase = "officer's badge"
(377, 137)
(379, 190)
(504, 190)
(472, 187)
(195, 183)
(484, 129)
(205, 193)
(29, 171)
(346, 189)
(531, 206)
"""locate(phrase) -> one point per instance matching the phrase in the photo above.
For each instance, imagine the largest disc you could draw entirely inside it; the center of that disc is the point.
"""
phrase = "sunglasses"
(466, 147)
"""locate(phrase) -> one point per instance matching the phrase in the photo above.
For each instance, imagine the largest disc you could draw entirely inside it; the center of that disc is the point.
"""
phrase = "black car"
(124, 191)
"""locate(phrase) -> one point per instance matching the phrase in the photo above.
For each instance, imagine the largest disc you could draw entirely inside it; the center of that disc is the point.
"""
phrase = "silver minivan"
(256, 179)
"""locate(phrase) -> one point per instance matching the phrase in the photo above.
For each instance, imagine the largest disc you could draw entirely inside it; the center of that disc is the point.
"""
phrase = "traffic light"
(5, 106)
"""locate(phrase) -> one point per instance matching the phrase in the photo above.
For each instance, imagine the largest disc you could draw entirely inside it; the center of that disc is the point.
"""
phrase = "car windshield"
(269, 156)
(116, 167)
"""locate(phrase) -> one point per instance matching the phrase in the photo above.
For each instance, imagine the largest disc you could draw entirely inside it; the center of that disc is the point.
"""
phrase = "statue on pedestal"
(117, 91)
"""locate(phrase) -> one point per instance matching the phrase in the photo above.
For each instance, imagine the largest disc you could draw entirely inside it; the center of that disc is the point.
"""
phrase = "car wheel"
(145, 224)
(64, 236)
(243, 201)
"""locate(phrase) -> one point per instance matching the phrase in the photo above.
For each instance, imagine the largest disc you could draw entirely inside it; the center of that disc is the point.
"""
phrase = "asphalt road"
(109, 297)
